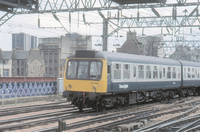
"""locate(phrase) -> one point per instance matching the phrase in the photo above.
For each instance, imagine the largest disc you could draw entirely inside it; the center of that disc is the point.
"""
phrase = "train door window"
(179, 73)
(71, 69)
(155, 72)
(108, 69)
(126, 71)
(193, 73)
(164, 72)
(196, 73)
(174, 72)
(141, 71)
(188, 72)
(169, 72)
(184, 72)
(148, 72)
(117, 71)
(134, 71)
(160, 72)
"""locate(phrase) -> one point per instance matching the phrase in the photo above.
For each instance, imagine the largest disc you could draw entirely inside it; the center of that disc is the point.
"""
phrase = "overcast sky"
(29, 24)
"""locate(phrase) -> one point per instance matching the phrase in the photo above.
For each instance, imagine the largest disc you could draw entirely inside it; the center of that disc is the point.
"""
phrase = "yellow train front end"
(85, 80)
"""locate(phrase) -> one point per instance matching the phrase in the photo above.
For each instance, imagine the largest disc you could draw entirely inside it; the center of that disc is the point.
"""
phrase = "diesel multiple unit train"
(99, 79)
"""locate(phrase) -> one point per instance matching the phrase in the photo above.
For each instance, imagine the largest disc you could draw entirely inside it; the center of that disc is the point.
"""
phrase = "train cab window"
(148, 72)
(95, 70)
(160, 72)
(140, 71)
(126, 71)
(168, 72)
(83, 69)
(117, 71)
(174, 72)
(188, 73)
(72, 69)
(155, 72)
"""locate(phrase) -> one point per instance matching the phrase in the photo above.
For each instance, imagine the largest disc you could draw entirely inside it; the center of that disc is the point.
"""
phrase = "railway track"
(33, 108)
(112, 123)
(109, 120)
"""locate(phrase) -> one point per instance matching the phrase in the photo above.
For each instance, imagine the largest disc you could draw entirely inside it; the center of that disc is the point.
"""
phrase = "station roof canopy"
(136, 1)
(7, 5)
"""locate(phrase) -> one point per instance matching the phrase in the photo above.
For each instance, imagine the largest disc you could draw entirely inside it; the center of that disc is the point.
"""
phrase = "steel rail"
(63, 112)
(158, 124)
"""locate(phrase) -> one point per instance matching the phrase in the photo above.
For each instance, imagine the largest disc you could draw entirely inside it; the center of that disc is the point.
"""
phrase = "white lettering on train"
(124, 86)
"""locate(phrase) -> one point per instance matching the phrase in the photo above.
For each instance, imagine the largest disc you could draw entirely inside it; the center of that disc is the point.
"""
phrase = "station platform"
(25, 100)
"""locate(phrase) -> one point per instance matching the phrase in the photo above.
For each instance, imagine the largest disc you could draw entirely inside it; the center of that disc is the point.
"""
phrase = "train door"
(134, 76)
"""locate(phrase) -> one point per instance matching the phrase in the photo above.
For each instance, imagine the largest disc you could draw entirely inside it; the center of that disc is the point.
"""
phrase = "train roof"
(190, 63)
(124, 57)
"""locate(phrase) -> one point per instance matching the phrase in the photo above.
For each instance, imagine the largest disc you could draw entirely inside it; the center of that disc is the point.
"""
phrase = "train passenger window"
(117, 71)
(168, 72)
(140, 71)
(174, 72)
(126, 71)
(148, 72)
(198, 73)
(155, 72)
(71, 69)
(188, 72)
(160, 72)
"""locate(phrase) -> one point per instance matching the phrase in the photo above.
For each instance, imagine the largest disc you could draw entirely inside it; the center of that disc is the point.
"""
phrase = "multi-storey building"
(36, 67)
(56, 49)
(50, 50)
(24, 41)
(5, 63)
(148, 45)
(19, 63)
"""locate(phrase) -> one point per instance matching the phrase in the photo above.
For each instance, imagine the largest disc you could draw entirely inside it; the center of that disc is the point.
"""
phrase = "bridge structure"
(169, 18)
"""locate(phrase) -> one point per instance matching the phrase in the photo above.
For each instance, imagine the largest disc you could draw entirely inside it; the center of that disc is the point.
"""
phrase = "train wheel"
(80, 105)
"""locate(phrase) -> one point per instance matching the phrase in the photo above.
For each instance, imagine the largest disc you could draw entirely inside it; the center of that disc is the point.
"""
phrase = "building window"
(5, 72)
